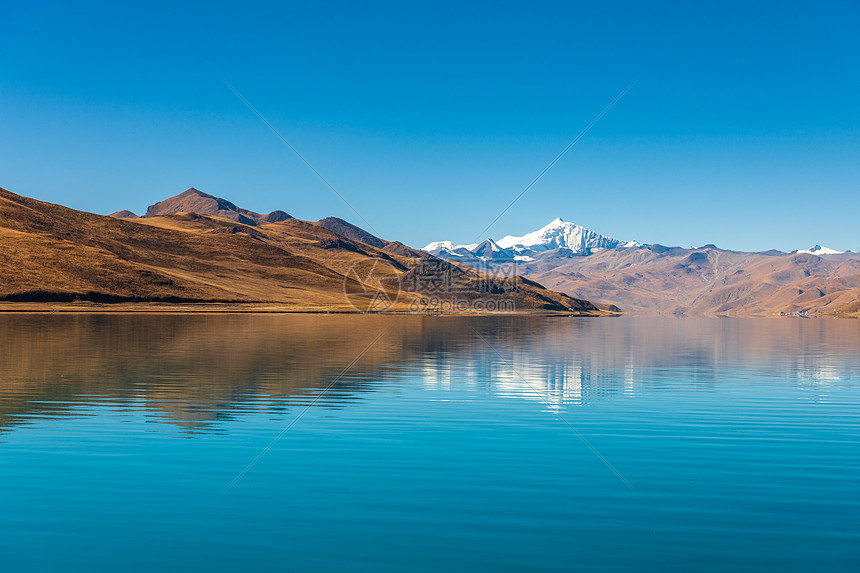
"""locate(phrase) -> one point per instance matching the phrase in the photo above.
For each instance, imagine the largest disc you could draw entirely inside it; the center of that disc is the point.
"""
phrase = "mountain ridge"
(195, 201)
(561, 234)
(558, 234)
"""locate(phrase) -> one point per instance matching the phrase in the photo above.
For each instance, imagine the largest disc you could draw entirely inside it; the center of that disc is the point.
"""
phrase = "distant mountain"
(818, 250)
(489, 249)
(562, 234)
(558, 239)
(195, 201)
(654, 279)
(708, 281)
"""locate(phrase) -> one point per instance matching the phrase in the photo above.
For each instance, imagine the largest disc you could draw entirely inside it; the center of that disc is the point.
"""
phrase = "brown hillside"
(194, 201)
(124, 214)
(350, 231)
(53, 253)
(707, 281)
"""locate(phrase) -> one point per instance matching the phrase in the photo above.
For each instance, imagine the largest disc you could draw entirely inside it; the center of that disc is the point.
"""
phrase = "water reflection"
(195, 371)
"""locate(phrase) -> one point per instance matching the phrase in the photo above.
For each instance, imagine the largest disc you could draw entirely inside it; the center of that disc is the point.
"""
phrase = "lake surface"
(311, 443)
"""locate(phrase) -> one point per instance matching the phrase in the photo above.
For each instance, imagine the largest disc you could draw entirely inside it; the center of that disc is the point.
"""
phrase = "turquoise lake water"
(372, 443)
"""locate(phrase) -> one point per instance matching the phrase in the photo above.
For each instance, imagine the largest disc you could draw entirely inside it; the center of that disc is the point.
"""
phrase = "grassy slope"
(53, 253)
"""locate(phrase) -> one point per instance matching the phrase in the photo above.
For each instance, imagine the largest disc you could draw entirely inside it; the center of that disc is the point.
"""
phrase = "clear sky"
(742, 128)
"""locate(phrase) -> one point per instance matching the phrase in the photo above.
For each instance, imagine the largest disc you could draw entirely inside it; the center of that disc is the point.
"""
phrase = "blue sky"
(742, 128)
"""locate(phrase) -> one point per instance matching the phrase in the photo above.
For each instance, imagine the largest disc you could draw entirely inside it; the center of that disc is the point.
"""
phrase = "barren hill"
(124, 214)
(194, 201)
(350, 231)
(706, 281)
(53, 253)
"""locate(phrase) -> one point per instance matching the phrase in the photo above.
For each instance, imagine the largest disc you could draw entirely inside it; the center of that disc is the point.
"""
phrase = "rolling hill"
(706, 281)
(53, 254)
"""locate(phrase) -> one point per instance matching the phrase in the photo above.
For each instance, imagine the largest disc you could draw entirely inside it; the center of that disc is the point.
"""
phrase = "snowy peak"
(489, 249)
(438, 245)
(818, 250)
(562, 234)
(558, 234)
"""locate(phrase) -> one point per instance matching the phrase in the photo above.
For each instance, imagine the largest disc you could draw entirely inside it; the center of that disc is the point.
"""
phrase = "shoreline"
(251, 308)
(144, 308)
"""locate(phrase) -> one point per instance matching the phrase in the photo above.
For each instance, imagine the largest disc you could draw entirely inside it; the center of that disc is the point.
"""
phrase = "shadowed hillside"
(350, 231)
(50, 364)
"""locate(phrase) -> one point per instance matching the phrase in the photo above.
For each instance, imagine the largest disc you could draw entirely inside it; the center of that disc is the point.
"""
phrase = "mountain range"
(654, 279)
(195, 249)
(558, 238)
(198, 249)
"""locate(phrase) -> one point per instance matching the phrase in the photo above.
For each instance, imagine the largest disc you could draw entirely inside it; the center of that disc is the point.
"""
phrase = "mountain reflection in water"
(197, 370)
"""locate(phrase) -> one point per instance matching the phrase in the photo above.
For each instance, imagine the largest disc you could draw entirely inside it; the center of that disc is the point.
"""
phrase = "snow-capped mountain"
(489, 249)
(561, 234)
(818, 250)
(557, 236)
(447, 245)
